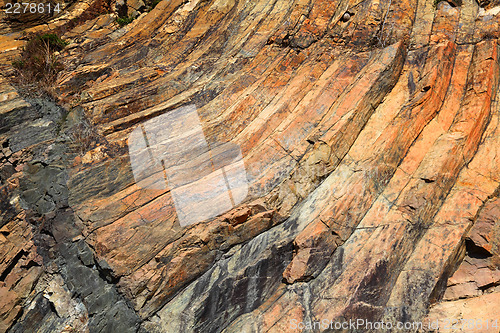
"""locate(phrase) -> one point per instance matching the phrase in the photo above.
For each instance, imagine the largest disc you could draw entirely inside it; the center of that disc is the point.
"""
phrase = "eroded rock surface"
(369, 134)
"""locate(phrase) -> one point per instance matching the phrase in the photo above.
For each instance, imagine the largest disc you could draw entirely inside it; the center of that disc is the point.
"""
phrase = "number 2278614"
(31, 7)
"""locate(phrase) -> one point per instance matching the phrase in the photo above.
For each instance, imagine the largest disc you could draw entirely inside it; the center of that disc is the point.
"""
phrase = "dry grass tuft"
(39, 63)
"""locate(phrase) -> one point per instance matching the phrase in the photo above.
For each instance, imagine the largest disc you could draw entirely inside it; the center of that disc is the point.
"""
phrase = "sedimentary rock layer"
(367, 132)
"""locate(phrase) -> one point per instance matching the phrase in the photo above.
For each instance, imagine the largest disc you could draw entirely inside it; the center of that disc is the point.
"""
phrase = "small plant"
(18, 63)
(83, 136)
(77, 129)
(54, 41)
(39, 63)
(123, 21)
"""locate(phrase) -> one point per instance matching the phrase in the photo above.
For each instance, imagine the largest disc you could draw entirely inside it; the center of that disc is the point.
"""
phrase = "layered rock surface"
(369, 134)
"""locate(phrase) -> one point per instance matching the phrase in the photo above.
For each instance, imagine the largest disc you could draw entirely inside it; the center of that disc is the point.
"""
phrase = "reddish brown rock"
(369, 135)
(486, 231)
(481, 310)
(478, 275)
(20, 266)
(313, 247)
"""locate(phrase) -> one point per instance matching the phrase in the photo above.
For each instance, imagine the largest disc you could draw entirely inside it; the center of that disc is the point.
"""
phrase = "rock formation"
(342, 157)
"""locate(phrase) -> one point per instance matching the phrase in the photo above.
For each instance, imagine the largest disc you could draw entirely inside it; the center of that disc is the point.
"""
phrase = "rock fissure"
(372, 154)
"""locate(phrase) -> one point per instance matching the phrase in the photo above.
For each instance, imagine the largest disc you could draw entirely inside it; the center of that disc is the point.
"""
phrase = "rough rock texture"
(370, 137)
(472, 290)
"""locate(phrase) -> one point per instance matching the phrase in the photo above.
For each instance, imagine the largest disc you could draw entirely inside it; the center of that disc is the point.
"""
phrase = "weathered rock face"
(472, 290)
(349, 149)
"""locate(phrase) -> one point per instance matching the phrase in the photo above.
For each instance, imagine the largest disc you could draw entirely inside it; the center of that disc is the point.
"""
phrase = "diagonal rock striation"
(352, 146)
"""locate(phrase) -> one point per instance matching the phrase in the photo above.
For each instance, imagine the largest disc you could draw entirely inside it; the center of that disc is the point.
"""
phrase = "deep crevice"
(475, 251)
(13, 264)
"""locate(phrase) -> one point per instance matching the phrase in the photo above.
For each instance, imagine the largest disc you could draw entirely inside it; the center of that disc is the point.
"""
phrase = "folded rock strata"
(369, 134)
